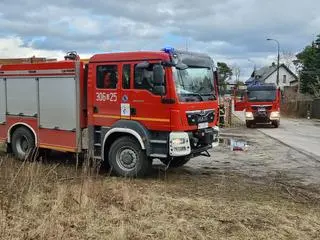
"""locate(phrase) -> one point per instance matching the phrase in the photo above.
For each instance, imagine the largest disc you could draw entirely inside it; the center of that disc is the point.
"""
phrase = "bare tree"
(287, 58)
(236, 72)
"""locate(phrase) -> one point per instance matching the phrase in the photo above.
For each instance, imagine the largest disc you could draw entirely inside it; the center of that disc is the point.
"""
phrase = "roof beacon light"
(169, 50)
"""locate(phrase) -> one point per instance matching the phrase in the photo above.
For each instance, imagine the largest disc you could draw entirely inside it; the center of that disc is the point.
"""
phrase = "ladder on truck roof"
(10, 61)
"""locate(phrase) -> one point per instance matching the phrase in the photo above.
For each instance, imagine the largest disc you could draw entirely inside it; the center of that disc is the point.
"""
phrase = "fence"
(315, 113)
(229, 119)
(296, 108)
(295, 104)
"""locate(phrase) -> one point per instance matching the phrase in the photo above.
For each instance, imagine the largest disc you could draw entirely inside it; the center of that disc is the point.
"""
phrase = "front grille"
(260, 114)
(196, 117)
(268, 108)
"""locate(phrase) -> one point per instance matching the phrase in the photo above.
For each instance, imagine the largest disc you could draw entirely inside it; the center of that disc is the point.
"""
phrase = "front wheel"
(176, 162)
(127, 159)
(276, 123)
(249, 124)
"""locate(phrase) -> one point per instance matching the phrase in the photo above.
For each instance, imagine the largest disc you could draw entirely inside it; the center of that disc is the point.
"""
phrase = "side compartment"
(57, 113)
(49, 94)
(21, 105)
(3, 104)
(57, 103)
(3, 109)
(22, 96)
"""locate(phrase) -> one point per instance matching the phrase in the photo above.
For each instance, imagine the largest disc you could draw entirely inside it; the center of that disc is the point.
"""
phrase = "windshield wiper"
(210, 95)
(193, 94)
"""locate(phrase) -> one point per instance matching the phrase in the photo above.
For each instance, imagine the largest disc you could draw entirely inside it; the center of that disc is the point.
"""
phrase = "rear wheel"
(127, 159)
(23, 143)
(176, 162)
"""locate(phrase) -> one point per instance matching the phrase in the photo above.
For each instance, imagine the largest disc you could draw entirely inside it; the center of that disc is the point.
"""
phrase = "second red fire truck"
(124, 109)
(261, 102)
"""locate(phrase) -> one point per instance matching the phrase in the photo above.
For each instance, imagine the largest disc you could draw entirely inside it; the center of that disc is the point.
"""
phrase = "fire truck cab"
(124, 109)
(261, 103)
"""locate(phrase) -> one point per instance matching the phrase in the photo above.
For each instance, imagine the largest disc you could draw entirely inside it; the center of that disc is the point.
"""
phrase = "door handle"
(133, 111)
(95, 109)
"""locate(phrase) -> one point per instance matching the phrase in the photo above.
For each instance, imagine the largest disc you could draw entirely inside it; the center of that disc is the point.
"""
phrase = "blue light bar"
(168, 49)
(261, 86)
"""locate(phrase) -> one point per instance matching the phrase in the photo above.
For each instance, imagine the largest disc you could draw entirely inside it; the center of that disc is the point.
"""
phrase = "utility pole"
(278, 64)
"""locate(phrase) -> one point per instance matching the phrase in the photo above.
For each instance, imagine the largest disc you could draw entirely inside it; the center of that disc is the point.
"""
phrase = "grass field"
(56, 201)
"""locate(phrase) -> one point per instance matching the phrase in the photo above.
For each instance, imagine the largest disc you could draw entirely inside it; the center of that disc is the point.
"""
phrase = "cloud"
(14, 47)
(229, 30)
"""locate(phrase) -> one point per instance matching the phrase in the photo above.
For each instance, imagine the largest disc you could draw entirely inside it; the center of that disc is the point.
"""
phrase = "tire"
(276, 124)
(176, 162)
(23, 143)
(248, 124)
(128, 149)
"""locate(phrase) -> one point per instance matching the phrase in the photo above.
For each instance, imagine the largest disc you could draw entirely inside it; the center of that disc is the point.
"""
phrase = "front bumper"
(262, 117)
(193, 143)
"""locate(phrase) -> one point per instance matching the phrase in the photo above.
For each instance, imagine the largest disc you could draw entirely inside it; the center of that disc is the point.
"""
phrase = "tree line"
(308, 68)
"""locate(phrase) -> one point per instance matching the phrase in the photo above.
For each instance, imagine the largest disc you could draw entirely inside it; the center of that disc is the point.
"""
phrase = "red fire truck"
(124, 109)
(261, 103)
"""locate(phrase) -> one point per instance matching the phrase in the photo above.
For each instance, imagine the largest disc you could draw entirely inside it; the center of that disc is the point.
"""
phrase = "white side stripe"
(31, 72)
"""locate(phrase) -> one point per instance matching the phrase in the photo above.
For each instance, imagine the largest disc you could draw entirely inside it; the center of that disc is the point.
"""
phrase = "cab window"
(144, 79)
(107, 76)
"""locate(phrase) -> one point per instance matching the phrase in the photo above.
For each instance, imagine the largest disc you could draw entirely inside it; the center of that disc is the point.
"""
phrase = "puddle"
(236, 144)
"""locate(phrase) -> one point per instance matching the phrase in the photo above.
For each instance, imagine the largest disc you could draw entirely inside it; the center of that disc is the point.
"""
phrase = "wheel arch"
(127, 128)
(116, 133)
(15, 126)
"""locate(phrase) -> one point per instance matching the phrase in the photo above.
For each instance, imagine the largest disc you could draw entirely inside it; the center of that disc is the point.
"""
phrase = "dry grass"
(53, 201)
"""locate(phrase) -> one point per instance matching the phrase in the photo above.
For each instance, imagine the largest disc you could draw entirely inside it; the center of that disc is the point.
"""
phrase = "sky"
(231, 31)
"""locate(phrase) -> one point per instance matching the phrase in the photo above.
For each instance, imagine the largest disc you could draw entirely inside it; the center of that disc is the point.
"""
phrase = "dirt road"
(264, 157)
(300, 134)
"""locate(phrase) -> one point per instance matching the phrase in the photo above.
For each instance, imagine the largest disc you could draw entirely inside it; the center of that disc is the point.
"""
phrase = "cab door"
(146, 105)
(106, 103)
(239, 98)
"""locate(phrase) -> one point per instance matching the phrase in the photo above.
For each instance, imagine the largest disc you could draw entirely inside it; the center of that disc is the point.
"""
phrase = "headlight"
(275, 115)
(216, 128)
(178, 141)
(216, 132)
(249, 116)
(179, 144)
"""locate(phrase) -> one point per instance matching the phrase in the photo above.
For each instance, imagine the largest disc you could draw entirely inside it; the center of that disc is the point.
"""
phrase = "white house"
(269, 75)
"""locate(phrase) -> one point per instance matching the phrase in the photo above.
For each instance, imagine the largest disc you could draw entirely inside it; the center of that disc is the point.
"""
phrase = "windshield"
(194, 84)
(261, 96)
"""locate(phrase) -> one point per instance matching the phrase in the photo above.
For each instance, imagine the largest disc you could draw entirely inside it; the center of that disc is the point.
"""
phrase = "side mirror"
(159, 90)
(181, 66)
(144, 64)
(158, 74)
